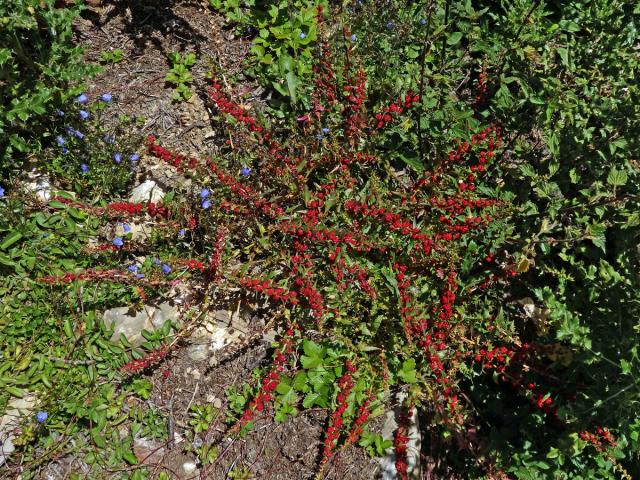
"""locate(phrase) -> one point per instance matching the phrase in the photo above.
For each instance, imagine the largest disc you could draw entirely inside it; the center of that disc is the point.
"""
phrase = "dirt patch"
(147, 32)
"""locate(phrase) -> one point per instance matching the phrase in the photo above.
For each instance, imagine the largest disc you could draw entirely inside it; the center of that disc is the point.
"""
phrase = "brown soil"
(147, 31)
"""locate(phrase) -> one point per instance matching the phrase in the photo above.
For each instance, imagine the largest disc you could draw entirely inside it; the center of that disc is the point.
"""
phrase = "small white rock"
(147, 191)
(40, 186)
(189, 467)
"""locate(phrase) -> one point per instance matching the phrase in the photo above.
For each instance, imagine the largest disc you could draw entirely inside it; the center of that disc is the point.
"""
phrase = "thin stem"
(444, 38)
(423, 55)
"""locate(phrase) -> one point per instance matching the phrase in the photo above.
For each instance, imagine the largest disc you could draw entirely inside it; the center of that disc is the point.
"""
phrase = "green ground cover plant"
(180, 75)
(40, 69)
(443, 203)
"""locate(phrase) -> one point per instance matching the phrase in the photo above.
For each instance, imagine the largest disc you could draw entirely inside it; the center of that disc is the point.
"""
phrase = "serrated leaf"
(312, 349)
(617, 177)
(310, 399)
(310, 362)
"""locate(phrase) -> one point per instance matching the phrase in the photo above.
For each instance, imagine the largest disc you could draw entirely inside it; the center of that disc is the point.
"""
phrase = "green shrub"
(40, 68)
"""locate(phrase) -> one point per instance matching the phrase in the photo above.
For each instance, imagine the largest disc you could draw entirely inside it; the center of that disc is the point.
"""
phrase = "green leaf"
(283, 388)
(129, 457)
(564, 56)
(596, 233)
(617, 177)
(312, 349)
(10, 239)
(310, 399)
(300, 382)
(413, 160)
(408, 373)
(454, 38)
(310, 362)
(625, 367)
(57, 205)
(292, 84)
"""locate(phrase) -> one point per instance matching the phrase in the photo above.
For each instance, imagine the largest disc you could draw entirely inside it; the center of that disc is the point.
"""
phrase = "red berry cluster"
(342, 271)
(271, 380)
(168, 156)
(229, 107)
(216, 256)
(269, 289)
(354, 102)
(246, 193)
(601, 439)
(326, 236)
(412, 326)
(394, 221)
(388, 112)
(400, 444)
(269, 384)
(325, 87)
(149, 360)
(489, 140)
(314, 299)
(495, 358)
(359, 157)
(358, 424)
(455, 231)
(87, 275)
(454, 407)
(192, 264)
(457, 205)
(117, 209)
(481, 86)
(345, 385)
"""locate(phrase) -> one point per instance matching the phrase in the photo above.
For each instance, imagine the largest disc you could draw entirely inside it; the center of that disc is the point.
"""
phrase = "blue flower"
(423, 21)
(354, 38)
(41, 417)
(109, 139)
(166, 269)
(133, 268)
(134, 157)
(118, 242)
(181, 232)
(75, 133)
(82, 99)
(245, 171)
(84, 114)
(117, 157)
(302, 36)
(59, 112)
(206, 204)
(157, 261)
(1, 192)
(390, 25)
(325, 130)
(65, 150)
(60, 140)
(106, 97)
(140, 275)
(126, 228)
(84, 167)
(204, 193)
